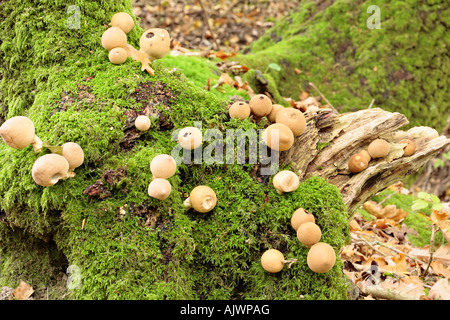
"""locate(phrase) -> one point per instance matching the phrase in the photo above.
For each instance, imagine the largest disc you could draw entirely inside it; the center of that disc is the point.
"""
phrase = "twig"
(205, 17)
(387, 293)
(430, 259)
(371, 104)
(323, 97)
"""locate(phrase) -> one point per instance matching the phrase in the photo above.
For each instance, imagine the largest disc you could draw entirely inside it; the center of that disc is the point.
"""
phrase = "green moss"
(402, 65)
(125, 244)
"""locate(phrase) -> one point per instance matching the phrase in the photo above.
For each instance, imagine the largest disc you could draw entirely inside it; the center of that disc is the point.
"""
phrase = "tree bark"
(332, 138)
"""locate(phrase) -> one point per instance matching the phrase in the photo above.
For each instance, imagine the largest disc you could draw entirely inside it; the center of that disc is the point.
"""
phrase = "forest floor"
(381, 259)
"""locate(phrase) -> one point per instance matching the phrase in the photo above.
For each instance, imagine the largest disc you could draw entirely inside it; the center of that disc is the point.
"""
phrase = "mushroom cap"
(123, 21)
(357, 163)
(309, 233)
(282, 137)
(260, 105)
(203, 199)
(113, 37)
(301, 216)
(118, 55)
(410, 147)
(286, 181)
(163, 166)
(272, 260)
(155, 43)
(159, 189)
(366, 156)
(73, 153)
(379, 148)
(190, 138)
(239, 110)
(293, 118)
(48, 169)
(18, 132)
(273, 113)
(321, 257)
(142, 122)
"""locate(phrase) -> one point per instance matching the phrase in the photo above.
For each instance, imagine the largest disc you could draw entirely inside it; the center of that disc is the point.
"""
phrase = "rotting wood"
(332, 138)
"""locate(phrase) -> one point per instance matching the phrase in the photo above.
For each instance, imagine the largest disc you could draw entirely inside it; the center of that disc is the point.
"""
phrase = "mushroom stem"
(187, 203)
(290, 262)
(37, 144)
(140, 56)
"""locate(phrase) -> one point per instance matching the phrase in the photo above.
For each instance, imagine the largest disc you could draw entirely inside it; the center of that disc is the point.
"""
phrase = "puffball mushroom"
(202, 199)
(272, 115)
(301, 216)
(378, 148)
(278, 137)
(410, 147)
(365, 155)
(142, 123)
(19, 132)
(163, 166)
(74, 154)
(48, 169)
(260, 105)
(113, 37)
(309, 233)
(357, 163)
(155, 43)
(190, 138)
(159, 189)
(293, 118)
(239, 110)
(123, 21)
(118, 55)
(321, 257)
(285, 181)
(272, 260)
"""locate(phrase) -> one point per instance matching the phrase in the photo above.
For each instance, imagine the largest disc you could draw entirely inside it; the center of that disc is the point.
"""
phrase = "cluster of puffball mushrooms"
(287, 123)
(153, 44)
(19, 132)
(163, 166)
(378, 148)
(321, 256)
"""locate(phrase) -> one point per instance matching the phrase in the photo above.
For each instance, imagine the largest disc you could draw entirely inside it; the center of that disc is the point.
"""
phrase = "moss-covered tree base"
(102, 223)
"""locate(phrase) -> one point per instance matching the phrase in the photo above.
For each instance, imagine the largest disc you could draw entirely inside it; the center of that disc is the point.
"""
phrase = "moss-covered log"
(102, 223)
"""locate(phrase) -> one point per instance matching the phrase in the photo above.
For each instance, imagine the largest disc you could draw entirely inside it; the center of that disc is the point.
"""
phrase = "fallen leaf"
(440, 290)
(440, 269)
(23, 291)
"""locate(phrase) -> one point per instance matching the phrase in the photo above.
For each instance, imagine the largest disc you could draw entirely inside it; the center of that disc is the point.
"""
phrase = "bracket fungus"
(378, 148)
(309, 233)
(321, 257)
(285, 181)
(163, 166)
(293, 118)
(159, 189)
(239, 110)
(278, 137)
(123, 21)
(202, 199)
(74, 155)
(301, 216)
(260, 105)
(142, 123)
(190, 138)
(19, 132)
(48, 169)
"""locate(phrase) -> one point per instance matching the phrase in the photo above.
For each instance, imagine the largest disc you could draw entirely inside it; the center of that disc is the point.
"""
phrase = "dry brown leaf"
(390, 211)
(23, 291)
(440, 269)
(440, 218)
(440, 290)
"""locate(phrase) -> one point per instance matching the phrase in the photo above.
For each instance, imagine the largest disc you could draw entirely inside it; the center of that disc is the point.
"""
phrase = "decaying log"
(332, 138)
(436, 180)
